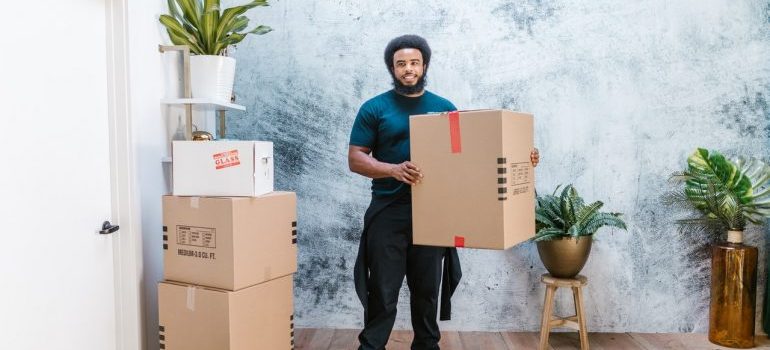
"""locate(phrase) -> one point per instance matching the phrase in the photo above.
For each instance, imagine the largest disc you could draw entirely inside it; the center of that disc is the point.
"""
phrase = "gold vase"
(564, 257)
(733, 292)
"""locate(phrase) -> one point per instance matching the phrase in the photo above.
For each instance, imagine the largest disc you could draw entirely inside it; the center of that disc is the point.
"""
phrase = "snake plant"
(566, 215)
(205, 28)
(727, 194)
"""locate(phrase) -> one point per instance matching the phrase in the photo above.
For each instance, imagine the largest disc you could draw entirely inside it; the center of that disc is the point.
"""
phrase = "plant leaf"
(567, 215)
(227, 21)
(731, 192)
(178, 35)
(209, 23)
(547, 233)
(603, 219)
(261, 30)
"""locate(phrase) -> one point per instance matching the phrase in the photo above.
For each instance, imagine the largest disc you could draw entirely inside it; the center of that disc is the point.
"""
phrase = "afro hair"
(407, 41)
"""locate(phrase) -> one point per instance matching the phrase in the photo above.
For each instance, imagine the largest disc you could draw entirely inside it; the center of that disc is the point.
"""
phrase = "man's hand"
(407, 173)
(361, 162)
(534, 157)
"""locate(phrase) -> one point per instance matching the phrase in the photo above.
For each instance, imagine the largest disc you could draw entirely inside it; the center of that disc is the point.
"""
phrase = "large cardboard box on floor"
(222, 168)
(229, 242)
(201, 318)
(478, 185)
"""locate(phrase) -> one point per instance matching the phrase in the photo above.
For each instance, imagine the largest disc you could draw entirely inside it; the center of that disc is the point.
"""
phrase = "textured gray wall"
(622, 92)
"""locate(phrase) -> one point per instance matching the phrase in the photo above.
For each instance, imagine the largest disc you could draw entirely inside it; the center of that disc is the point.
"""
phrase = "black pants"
(391, 256)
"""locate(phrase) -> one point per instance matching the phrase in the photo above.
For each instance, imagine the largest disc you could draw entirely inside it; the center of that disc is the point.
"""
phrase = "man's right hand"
(361, 162)
(407, 173)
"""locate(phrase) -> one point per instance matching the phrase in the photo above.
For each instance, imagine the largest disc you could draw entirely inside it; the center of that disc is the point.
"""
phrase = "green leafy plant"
(727, 194)
(567, 215)
(201, 25)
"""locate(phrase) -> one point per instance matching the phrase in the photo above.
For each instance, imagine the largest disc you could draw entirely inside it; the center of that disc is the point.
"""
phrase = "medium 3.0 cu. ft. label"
(204, 237)
(520, 178)
(196, 254)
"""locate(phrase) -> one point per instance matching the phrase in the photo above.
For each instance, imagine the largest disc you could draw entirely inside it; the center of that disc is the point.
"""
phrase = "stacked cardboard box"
(229, 250)
(479, 184)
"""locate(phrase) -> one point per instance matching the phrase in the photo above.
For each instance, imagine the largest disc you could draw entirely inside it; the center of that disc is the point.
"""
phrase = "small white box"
(222, 168)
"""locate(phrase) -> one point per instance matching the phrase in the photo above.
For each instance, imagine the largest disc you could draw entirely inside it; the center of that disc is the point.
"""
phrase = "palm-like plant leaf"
(732, 193)
(706, 167)
(758, 174)
(565, 214)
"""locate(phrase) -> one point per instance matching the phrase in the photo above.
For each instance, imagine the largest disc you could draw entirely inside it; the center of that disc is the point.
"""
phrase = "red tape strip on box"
(454, 131)
(459, 241)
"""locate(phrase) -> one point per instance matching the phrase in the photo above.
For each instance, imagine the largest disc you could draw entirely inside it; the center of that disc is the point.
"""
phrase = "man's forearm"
(368, 166)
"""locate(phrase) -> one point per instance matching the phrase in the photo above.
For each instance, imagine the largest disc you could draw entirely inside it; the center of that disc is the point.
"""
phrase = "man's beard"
(409, 90)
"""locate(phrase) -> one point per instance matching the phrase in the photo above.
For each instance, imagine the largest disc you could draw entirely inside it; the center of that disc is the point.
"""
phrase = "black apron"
(451, 273)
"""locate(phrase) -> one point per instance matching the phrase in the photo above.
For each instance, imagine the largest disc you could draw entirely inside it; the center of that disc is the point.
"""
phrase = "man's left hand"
(534, 157)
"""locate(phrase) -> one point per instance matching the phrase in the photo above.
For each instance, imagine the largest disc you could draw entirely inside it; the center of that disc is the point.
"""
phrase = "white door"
(56, 272)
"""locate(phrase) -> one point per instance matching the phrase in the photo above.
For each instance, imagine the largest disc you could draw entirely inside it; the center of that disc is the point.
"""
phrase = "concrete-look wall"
(622, 92)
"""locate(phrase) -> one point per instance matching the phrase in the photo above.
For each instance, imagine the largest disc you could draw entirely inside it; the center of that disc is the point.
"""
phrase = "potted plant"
(209, 31)
(727, 196)
(565, 226)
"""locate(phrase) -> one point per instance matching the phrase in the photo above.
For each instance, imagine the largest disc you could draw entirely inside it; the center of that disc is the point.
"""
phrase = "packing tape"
(194, 202)
(454, 131)
(191, 298)
(459, 241)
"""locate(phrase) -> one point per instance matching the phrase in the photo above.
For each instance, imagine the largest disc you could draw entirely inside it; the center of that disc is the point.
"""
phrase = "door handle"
(108, 228)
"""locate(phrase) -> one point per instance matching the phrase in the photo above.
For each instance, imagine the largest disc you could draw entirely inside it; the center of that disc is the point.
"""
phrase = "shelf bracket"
(185, 81)
(222, 123)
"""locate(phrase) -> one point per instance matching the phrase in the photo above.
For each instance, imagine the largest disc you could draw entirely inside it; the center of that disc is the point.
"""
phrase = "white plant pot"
(212, 77)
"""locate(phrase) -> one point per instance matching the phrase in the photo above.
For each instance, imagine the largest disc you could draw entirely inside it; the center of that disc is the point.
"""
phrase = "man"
(379, 149)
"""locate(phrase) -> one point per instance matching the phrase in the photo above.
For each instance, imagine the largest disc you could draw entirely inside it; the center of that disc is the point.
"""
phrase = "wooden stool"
(576, 322)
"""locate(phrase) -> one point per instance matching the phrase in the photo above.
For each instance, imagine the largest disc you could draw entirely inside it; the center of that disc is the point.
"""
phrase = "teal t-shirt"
(382, 125)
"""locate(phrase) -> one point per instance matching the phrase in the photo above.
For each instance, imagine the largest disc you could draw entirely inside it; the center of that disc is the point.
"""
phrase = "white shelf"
(206, 102)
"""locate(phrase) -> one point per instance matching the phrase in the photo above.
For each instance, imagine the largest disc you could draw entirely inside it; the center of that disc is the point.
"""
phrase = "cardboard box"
(201, 318)
(229, 242)
(478, 185)
(222, 168)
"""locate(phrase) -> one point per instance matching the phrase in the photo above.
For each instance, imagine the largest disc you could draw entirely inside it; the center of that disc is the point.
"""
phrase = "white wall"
(149, 130)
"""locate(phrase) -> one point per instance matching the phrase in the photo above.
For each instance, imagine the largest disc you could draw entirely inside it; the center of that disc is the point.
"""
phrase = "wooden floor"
(344, 339)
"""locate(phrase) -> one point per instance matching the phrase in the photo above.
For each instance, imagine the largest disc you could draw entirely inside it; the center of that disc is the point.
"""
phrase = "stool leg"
(545, 327)
(577, 294)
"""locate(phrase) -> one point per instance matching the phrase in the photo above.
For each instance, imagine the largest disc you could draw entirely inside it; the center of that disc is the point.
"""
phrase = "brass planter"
(564, 257)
